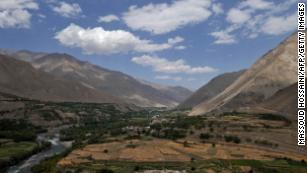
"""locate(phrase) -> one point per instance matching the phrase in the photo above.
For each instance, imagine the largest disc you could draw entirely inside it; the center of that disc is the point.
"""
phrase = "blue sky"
(171, 42)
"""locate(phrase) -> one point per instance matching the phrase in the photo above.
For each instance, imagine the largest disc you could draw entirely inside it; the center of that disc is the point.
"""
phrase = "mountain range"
(20, 78)
(55, 76)
(101, 80)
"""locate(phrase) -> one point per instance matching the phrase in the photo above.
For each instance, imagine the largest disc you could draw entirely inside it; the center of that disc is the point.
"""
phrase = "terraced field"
(232, 142)
(158, 150)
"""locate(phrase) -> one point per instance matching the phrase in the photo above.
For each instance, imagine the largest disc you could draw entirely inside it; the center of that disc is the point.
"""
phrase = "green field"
(13, 152)
(17, 150)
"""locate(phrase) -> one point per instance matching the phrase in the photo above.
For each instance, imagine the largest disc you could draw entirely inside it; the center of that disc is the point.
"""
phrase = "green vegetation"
(98, 123)
(173, 133)
(232, 138)
(11, 153)
(49, 115)
(17, 141)
(205, 136)
(197, 166)
(266, 143)
(94, 130)
(16, 150)
(11, 129)
(49, 165)
(274, 117)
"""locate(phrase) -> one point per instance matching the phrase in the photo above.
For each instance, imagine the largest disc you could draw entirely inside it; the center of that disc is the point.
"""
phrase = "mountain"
(283, 102)
(20, 78)
(176, 93)
(277, 69)
(211, 89)
(115, 83)
(23, 55)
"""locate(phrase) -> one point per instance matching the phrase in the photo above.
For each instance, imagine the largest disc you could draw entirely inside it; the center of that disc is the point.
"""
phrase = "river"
(56, 147)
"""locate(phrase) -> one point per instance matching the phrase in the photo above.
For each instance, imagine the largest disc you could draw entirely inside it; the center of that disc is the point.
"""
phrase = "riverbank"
(12, 153)
(56, 147)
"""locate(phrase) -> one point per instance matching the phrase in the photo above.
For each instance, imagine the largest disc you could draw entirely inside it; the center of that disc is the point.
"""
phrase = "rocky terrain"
(283, 102)
(275, 70)
(211, 89)
(20, 78)
(117, 84)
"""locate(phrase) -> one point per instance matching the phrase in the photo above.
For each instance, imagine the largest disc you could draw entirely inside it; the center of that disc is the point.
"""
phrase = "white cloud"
(41, 16)
(181, 47)
(16, 13)
(279, 25)
(257, 4)
(238, 16)
(166, 77)
(108, 18)
(67, 10)
(223, 37)
(166, 66)
(175, 40)
(217, 8)
(100, 41)
(163, 18)
(253, 18)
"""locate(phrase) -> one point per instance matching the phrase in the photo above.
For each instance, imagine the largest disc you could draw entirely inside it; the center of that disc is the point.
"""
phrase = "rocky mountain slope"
(20, 78)
(277, 69)
(211, 89)
(283, 102)
(115, 83)
(176, 93)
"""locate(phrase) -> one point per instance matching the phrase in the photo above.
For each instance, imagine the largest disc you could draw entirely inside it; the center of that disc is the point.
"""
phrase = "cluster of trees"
(11, 129)
(27, 150)
(48, 165)
(232, 138)
(205, 136)
(266, 143)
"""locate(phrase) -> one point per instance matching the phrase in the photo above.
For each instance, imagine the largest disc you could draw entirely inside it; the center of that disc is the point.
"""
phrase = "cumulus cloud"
(165, 66)
(278, 25)
(166, 77)
(238, 16)
(223, 37)
(108, 18)
(257, 17)
(16, 13)
(176, 40)
(257, 4)
(217, 8)
(67, 10)
(100, 41)
(163, 18)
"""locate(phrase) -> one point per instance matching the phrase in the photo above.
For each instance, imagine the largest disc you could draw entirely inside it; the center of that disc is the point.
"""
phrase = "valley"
(59, 114)
(114, 138)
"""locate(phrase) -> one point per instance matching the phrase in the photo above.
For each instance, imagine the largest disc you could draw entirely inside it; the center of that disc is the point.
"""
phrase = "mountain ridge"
(211, 89)
(118, 84)
(259, 82)
(22, 79)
